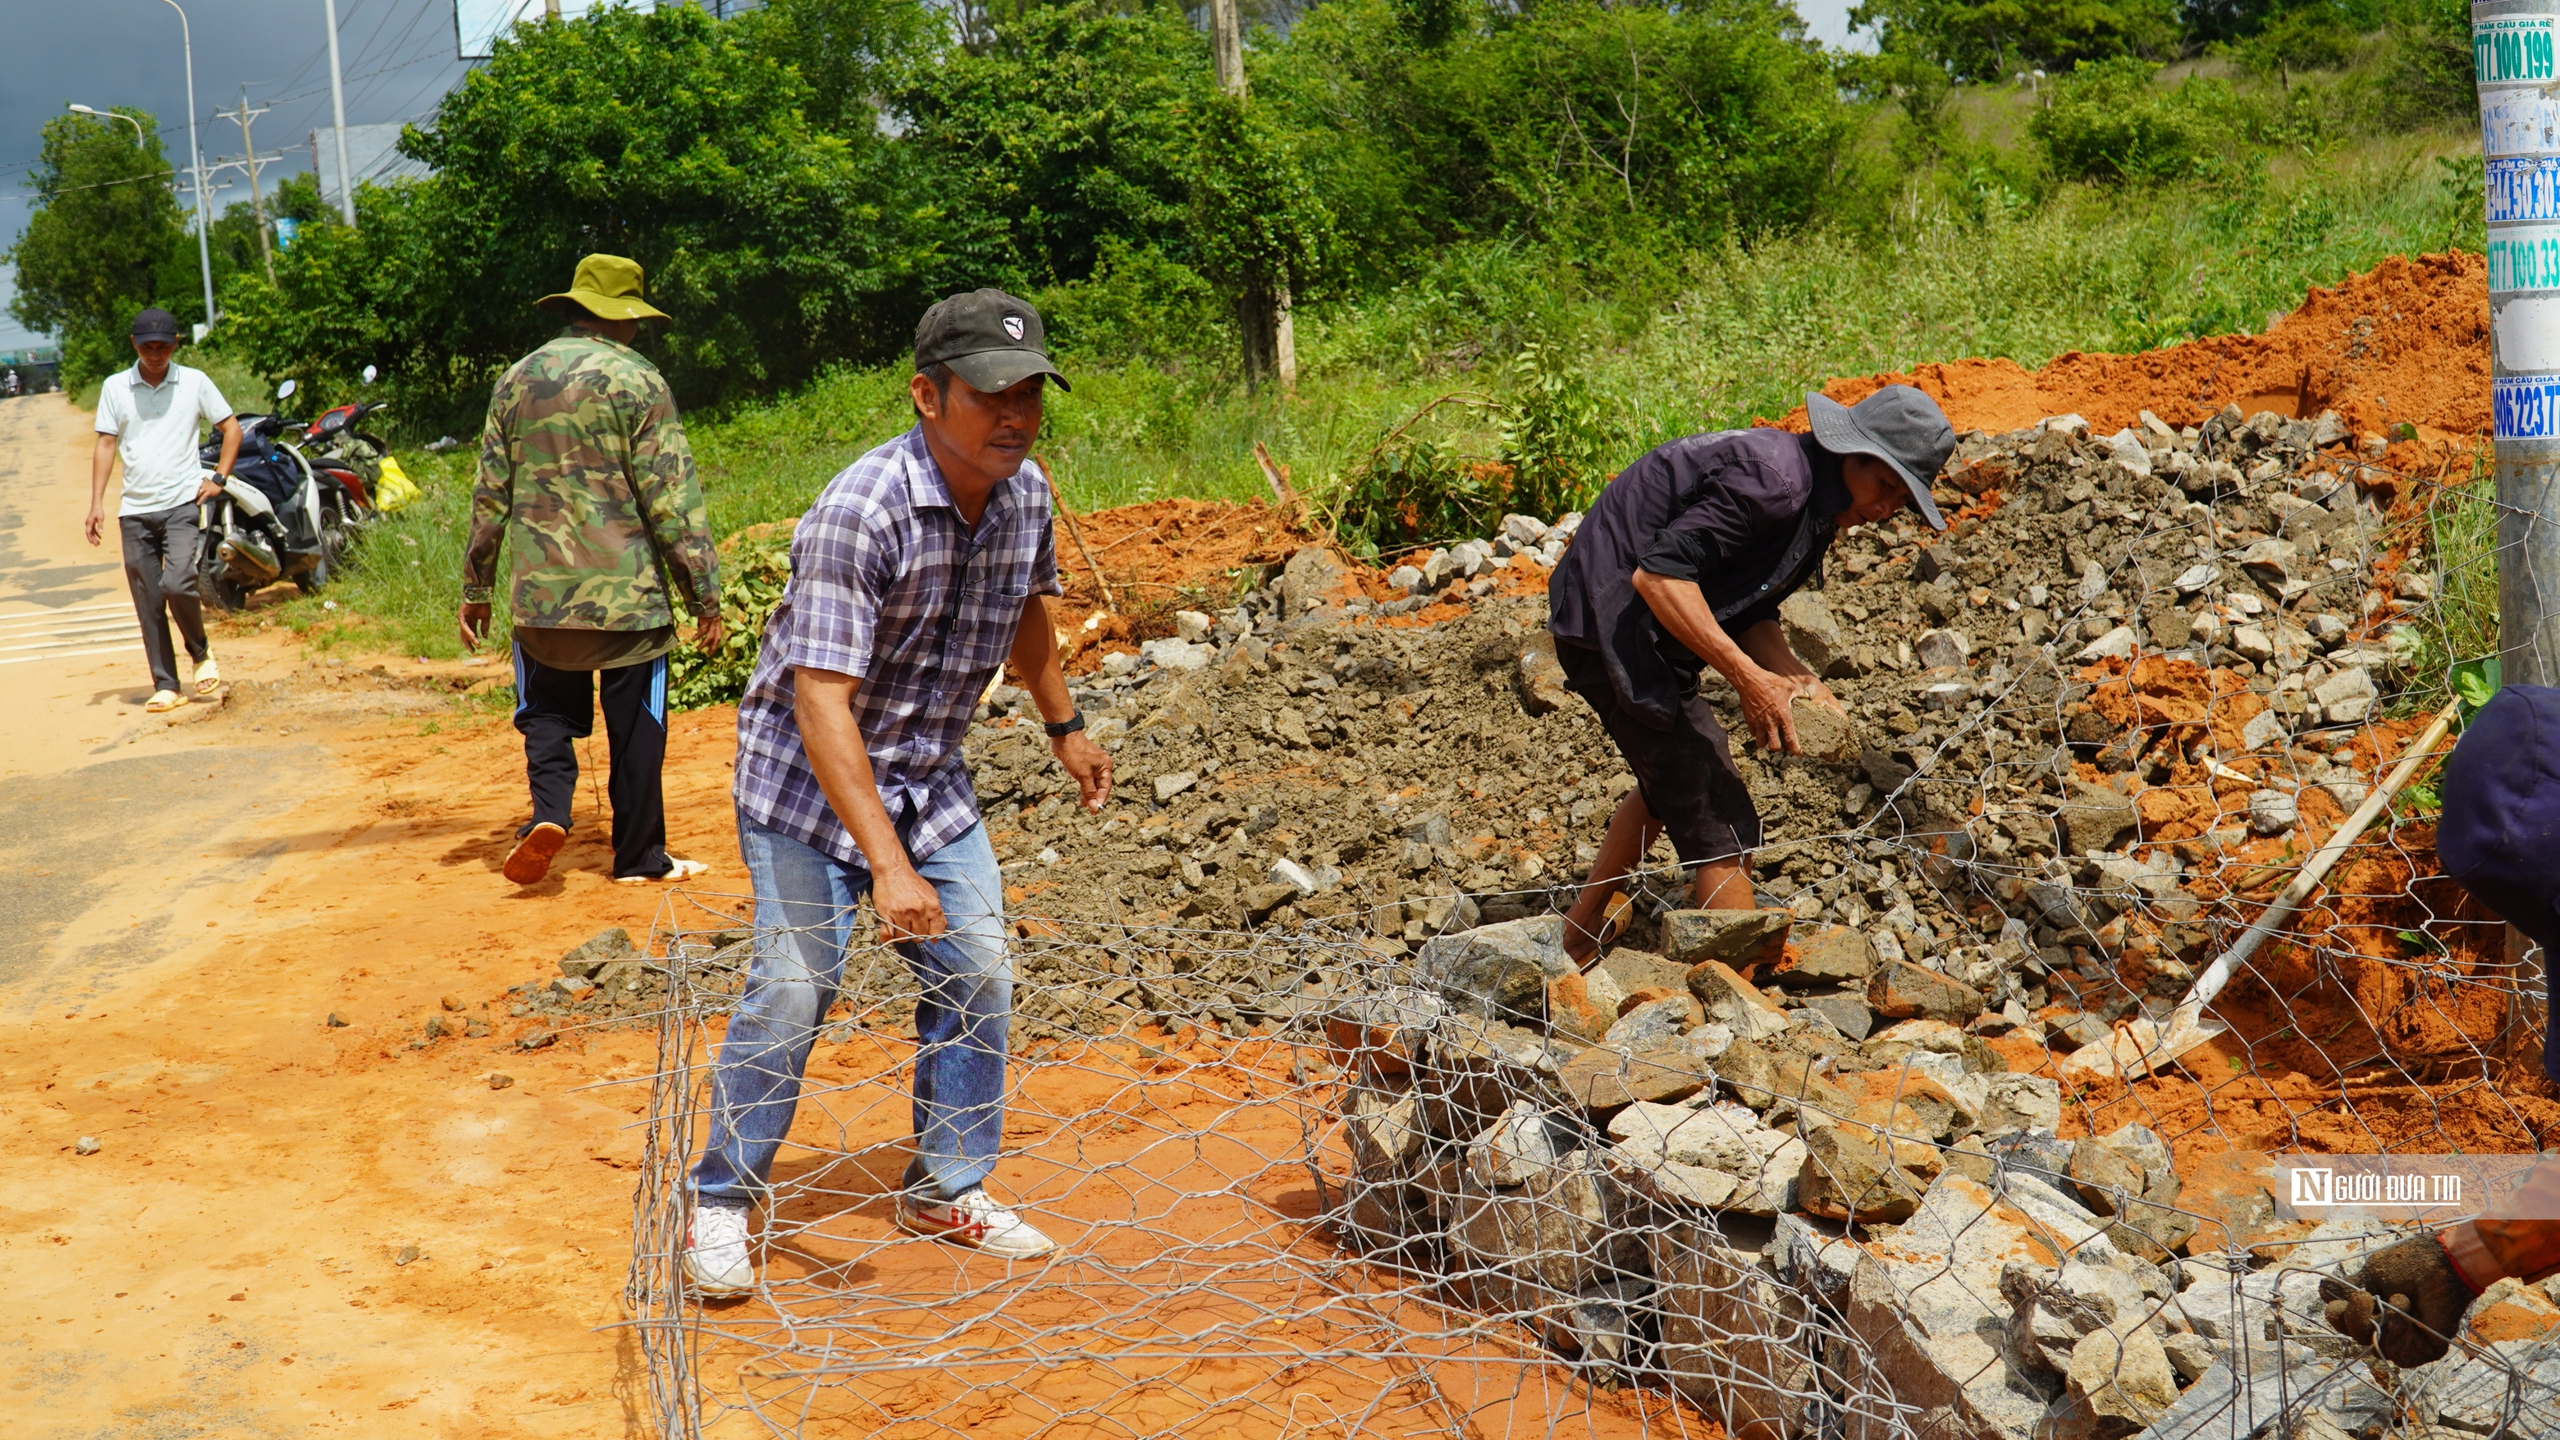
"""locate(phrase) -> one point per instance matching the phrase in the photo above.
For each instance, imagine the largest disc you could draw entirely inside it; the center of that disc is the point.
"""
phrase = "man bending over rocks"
(919, 570)
(1681, 564)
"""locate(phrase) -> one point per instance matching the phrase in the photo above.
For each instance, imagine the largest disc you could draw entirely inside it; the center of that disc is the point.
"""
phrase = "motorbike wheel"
(337, 532)
(213, 586)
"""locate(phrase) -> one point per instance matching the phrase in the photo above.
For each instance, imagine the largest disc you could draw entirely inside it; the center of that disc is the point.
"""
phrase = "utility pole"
(2512, 44)
(249, 164)
(1270, 335)
(338, 117)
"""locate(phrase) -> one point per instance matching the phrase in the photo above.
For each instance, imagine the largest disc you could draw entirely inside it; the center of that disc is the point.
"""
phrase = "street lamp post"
(110, 115)
(195, 157)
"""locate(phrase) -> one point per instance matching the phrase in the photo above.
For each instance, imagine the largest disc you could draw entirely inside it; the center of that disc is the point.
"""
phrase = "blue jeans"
(804, 907)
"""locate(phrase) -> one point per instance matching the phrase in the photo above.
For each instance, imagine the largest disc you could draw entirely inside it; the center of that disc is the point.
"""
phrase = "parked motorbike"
(278, 517)
(348, 455)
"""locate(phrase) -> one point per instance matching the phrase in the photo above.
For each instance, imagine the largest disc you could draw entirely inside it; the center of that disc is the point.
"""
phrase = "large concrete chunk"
(1522, 1144)
(1836, 955)
(2015, 1103)
(2097, 818)
(1847, 1176)
(1475, 1070)
(2119, 1382)
(1719, 1157)
(1603, 1080)
(1905, 991)
(1498, 971)
(1385, 1132)
(1739, 938)
(1735, 1339)
(1733, 1002)
(1555, 1235)
(1936, 1330)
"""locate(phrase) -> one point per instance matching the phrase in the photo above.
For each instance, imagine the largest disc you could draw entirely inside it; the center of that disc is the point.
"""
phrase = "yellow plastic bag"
(393, 489)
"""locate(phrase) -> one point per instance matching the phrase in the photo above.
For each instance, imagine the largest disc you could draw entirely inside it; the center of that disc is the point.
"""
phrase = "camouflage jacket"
(584, 467)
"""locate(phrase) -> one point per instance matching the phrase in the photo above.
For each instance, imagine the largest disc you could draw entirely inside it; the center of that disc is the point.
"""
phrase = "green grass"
(1704, 342)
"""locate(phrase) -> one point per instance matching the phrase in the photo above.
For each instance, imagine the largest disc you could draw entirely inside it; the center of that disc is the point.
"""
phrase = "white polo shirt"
(157, 430)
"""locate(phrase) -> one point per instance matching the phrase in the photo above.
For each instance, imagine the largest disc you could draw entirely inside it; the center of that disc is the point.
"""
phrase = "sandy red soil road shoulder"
(189, 903)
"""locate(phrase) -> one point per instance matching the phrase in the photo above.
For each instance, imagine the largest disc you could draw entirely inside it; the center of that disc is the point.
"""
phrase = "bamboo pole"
(1075, 532)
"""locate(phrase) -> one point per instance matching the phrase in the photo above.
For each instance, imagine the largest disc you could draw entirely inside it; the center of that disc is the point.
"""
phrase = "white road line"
(65, 610)
(103, 622)
(66, 654)
(135, 634)
(41, 622)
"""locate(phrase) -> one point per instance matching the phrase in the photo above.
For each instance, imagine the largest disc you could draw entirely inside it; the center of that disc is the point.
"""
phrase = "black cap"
(155, 324)
(1899, 425)
(992, 340)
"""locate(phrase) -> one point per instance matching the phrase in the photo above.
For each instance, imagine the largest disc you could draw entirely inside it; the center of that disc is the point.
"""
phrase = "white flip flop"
(208, 677)
(677, 869)
(163, 701)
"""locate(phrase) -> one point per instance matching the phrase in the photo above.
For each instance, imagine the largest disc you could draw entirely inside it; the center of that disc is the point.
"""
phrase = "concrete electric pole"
(249, 166)
(338, 117)
(2512, 48)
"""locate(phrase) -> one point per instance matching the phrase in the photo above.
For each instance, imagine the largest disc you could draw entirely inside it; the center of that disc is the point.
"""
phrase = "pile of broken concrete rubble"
(1814, 1237)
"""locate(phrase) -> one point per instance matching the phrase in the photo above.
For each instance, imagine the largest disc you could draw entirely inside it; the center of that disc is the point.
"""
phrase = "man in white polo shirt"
(151, 416)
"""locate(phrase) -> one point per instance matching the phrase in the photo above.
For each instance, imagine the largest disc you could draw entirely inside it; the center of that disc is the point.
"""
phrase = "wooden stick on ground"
(1075, 532)
(2141, 1046)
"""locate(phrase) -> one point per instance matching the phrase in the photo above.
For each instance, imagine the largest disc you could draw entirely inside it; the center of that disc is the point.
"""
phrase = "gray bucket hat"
(1899, 425)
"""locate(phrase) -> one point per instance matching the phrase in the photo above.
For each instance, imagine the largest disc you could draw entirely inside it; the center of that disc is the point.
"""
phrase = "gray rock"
(2119, 1381)
(1932, 1328)
(1734, 1002)
(1815, 1256)
(1735, 1338)
(1815, 635)
(1523, 1143)
(1737, 937)
(2511, 1387)
(1405, 578)
(1602, 1324)
(1847, 1014)
(1385, 1133)
(1942, 649)
(2116, 644)
(1168, 786)
(2097, 818)
(2347, 696)
(1475, 1070)
(2262, 730)
(1539, 677)
(1835, 955)
(2190, 1354)
(1498, 971)
(2272, 812)
(1308, 582)
(1177, 654)
(1653, 1023)
(2022, 1103)
(598, 951)
(1551, 1237)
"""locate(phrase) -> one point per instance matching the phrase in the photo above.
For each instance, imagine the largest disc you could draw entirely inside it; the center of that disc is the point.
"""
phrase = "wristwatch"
(1061, 729)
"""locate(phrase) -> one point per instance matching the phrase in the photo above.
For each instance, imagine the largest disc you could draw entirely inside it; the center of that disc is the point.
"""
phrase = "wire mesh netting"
(1922, 1147)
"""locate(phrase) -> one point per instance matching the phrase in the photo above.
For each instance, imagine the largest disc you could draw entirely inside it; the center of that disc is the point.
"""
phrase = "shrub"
(2109, 122)
(755, 566)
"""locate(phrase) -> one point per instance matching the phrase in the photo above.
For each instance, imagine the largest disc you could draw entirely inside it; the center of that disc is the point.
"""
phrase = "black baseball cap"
(992, 340)
(1899, 425)
(155, 323)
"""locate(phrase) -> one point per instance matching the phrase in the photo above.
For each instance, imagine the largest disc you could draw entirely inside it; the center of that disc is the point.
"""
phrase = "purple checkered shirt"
(888, 585)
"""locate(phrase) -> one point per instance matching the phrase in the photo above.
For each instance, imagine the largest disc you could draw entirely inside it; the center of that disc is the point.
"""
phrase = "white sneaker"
(715, 1252)
(974, 1219)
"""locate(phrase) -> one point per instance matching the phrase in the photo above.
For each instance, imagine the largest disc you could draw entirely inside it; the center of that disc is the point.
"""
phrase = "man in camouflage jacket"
(584, 468)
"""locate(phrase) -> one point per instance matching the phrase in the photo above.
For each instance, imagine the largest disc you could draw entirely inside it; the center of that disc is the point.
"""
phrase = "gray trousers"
(160, 569)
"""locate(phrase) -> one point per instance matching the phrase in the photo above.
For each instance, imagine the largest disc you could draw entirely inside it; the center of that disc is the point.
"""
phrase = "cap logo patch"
(1013, 326)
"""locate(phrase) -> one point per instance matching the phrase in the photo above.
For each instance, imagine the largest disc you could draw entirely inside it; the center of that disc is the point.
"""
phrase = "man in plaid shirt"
(919, 570)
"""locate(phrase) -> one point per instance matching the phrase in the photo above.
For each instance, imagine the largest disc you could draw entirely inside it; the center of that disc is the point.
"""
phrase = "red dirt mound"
(2405, 342)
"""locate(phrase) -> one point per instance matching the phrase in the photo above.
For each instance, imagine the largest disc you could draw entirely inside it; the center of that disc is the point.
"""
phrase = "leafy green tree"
(104, 239)
(1988, 40)
(1074, 124)
(663, 135)
(1256, 224)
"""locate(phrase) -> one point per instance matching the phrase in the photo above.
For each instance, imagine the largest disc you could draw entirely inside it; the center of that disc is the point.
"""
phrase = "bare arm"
(230, 427)
(1035, 664)
(822, 702)
(102, 460)
(1765, 673)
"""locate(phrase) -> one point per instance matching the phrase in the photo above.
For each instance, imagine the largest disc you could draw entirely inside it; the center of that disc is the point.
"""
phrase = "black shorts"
(1685, 774)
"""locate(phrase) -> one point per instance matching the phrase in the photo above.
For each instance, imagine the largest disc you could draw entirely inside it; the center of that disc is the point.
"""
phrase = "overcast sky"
(397, 56)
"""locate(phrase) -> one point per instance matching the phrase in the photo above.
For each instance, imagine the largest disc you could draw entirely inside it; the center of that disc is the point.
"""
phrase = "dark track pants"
(556, 708)
(160, 570)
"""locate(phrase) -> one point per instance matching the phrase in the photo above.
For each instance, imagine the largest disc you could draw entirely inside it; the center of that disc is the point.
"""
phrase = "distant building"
(37, 369)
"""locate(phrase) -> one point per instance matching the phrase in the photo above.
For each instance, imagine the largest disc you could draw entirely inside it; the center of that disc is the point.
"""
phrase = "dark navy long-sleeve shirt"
(1747, 514)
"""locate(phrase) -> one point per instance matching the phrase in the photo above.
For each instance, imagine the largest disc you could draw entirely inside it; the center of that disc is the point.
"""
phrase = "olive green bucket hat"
(607, 287)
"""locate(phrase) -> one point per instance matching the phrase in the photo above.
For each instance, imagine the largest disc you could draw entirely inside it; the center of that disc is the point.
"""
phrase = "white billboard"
(477, 24)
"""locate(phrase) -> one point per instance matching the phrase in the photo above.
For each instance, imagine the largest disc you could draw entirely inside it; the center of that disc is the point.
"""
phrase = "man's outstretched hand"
(474, 623)
(1765, 700)
(1089, 763)
(2405, 1303)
